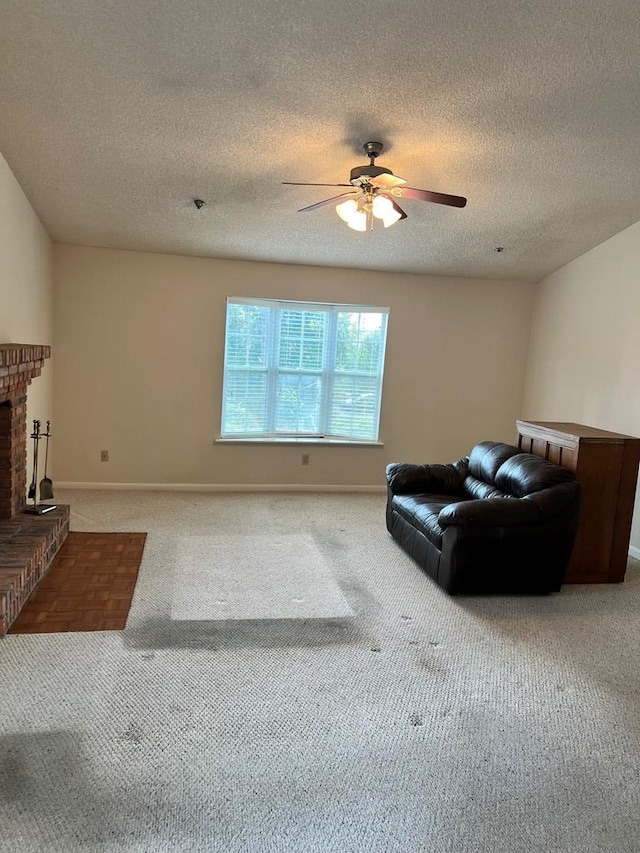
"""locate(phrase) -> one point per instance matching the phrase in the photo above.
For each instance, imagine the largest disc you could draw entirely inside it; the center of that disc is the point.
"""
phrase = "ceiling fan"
(373, 193)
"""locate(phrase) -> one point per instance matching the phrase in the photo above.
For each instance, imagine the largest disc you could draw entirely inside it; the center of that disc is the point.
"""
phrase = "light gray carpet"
(419, 723)
(283, 576)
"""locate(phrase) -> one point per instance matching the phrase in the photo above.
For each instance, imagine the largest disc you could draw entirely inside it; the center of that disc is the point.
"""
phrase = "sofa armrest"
(557, 499)
(491, 512)
(404, 478)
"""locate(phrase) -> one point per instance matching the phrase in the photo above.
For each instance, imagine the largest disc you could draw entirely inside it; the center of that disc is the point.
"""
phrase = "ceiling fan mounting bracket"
(372, 149)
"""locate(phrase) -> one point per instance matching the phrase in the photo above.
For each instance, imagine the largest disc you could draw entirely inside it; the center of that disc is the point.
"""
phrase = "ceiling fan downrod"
(361, 173)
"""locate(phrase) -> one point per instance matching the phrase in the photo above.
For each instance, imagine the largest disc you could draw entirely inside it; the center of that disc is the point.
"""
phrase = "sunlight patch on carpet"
(254, 577)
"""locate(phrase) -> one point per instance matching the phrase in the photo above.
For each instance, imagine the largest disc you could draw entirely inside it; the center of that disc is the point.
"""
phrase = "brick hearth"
(28, 544)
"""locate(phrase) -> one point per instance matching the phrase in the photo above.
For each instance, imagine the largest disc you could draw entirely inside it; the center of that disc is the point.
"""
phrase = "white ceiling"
(115, 115)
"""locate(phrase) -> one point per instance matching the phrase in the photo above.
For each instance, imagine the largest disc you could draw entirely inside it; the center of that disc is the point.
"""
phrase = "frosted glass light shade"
(381, 206)
(358, 221)
(347, 209)
(383, 209)
(391, 217)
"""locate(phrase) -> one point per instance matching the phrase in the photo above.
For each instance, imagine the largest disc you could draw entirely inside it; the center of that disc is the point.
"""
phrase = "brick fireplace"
(28, 543)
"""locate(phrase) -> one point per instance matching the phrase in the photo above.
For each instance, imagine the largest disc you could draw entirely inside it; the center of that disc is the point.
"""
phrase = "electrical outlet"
(305, 458)
(104, 455)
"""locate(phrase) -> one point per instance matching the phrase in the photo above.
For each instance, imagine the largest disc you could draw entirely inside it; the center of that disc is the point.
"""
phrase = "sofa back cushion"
(525, 474)
(484, 462)
(479, 490)
(486, 458)
(498, 470)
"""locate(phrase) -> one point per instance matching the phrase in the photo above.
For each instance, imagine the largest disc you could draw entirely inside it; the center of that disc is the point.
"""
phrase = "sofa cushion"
(422, 512)
(486, 458)
(493, 514)
(478, 489)
(412, 479)
(525, 474)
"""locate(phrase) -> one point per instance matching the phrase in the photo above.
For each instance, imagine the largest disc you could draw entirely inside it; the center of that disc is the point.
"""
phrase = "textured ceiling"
(115, 115)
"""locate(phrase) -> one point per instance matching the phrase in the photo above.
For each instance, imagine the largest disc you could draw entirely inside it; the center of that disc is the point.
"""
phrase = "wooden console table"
(606, 466)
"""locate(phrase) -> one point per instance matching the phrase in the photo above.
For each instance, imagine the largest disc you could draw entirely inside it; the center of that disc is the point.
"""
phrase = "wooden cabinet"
(606, 465)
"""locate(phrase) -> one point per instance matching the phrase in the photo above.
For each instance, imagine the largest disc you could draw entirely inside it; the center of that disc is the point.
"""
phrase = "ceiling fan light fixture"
(354, 213)
(391, 218)
(358, 221)
(359, 213)
(346, 209)
(383, 209)
(382, 206)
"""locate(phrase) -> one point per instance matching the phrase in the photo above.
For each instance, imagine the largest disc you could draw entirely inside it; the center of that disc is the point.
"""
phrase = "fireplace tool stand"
(35, 508)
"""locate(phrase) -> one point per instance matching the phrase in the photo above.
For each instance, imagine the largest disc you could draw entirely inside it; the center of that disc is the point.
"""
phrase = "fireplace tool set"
(46, 484)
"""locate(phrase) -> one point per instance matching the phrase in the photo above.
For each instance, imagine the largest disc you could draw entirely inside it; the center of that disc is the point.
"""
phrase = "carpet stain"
(432, 668)
(223, 634)
(359, 597)
(416, 720)
(133, 733)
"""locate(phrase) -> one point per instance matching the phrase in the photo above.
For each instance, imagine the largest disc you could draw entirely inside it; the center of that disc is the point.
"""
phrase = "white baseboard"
(221, 487)
(634, 552)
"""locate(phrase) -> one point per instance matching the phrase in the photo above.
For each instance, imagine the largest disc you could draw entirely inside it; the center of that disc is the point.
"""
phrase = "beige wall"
(26, 312)
(584, 361)
(139, 345)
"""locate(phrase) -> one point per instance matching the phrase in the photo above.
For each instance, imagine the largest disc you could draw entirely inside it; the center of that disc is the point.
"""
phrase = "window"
(302, 369)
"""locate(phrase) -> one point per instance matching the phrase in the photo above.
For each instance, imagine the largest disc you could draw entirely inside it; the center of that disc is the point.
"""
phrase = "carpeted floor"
(414, 722)
(284, 576)
(89, 586)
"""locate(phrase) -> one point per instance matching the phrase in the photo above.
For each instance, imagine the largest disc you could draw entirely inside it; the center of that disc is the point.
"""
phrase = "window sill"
(333, 442)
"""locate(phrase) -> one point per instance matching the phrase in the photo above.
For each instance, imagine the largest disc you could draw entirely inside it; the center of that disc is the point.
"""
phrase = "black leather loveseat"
(496, 521)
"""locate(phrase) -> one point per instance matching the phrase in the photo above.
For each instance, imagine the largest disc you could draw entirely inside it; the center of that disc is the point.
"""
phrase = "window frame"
(327, 373)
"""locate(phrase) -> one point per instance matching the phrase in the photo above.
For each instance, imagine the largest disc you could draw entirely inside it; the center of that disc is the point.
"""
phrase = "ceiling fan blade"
(297, 184)
(397, 208)
(387, 182)
(327, 201)
(436, 198)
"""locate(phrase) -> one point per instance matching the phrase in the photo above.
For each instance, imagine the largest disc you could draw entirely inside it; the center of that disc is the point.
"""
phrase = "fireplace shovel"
(46, 484)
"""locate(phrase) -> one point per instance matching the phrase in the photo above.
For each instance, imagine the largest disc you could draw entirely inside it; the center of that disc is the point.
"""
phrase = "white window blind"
(302, 369)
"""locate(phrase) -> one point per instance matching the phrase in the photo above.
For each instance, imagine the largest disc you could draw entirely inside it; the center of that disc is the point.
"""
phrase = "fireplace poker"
(35, 435)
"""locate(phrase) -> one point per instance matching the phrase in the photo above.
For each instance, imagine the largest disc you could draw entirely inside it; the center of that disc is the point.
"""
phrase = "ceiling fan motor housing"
(369, 171)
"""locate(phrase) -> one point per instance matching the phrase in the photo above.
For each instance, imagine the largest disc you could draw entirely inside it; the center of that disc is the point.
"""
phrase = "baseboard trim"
(221, 487)
(634, 552)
